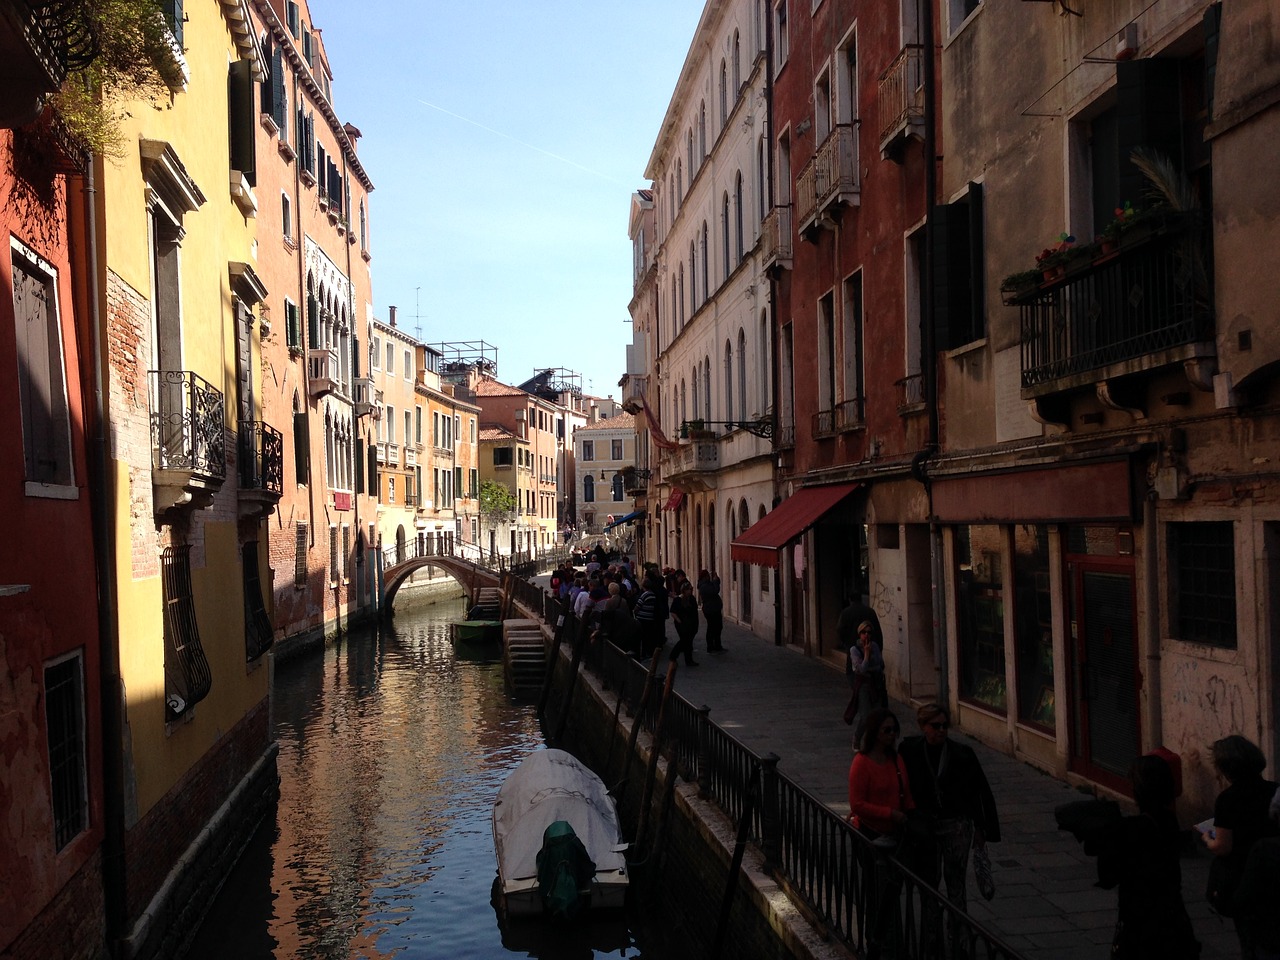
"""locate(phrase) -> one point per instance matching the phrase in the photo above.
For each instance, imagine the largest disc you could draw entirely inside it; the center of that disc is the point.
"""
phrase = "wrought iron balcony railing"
(1136, 308)
(775, 235)
(786, 435)
(829, 180)
(261, 457)
(900, 96)
(187, 425)
(60, 36)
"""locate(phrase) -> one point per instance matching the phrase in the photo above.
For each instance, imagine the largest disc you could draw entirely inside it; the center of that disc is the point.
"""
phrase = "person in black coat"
(1139, 855)
(684, 611)
(950, 788)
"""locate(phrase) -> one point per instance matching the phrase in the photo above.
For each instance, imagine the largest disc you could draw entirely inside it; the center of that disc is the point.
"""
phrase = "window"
(42, 383)
(408, 427)
(737, 66)
(1033, 633)
(391, 358)
(702, 132)
(725, 232)
(187, 678)
(781, 38)
(334, 570)
(301, 442)
(588, 450)
(65, 725)
(473, 429)
(417, 424)
(738, 230)
(616, 450)
(275, 103)
(300, 555)
(851, 367)
(742, 374)
(979, 589)
(1202, 585)
(473, 483)
(408, 365)
(728, 380)
(826, 359)
(242, 117)
(617, 488)
(286, 217)
(822, 107)
(258, 633)
(292, 18)
(588, 489)
(346, 552)
(390, 421)
(913, 275)
(292, 329)
(502, 457)
(958, 11)
(724, 94)
(960, 313)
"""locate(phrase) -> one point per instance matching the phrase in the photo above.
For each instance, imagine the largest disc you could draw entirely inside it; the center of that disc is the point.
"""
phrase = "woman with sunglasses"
(864, 668)
(949, 786)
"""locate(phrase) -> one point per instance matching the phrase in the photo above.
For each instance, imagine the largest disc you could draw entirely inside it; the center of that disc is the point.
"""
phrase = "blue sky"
(504, 141)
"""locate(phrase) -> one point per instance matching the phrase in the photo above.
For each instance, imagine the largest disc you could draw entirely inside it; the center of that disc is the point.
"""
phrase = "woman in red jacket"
(879, 798)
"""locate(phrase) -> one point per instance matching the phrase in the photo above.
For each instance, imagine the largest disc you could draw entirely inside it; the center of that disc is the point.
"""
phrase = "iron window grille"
(187, 677)
(1202, 588)
(258, 634)
(64, 717)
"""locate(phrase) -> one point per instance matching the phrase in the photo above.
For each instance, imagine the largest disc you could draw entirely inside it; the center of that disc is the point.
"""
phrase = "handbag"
(982, 870)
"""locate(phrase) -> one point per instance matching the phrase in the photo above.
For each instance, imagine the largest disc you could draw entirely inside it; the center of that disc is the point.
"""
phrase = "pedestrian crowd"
(926, 805)
(613, 600)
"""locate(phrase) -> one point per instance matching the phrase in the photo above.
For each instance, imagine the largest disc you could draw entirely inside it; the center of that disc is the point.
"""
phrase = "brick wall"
(72, 926)
(128, 358)
(155, 843)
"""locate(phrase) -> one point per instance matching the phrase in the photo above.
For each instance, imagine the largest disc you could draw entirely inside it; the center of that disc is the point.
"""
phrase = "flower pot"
(1054, 273)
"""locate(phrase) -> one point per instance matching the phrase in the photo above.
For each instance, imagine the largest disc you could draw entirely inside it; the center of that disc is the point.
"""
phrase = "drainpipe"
(1151, 626)
(111, 693)
(928, 363)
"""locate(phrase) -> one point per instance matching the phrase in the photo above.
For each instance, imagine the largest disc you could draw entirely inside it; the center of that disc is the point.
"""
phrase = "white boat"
(549, 789)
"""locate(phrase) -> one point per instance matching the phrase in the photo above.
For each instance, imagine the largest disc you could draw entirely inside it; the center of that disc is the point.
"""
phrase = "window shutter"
(266, 92)
(1212, 27)
(172, 10)
(301, 446)
(292, 17)
(240, 107)
(279, 105)
(1147, 115)
(291, 325)
(360, 458)
(951, 292)
(313, 320)
(373, 470)
(977, 265)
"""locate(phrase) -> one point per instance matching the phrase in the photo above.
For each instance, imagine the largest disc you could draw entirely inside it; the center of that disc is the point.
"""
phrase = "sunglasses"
(864, 633)
(938, 725)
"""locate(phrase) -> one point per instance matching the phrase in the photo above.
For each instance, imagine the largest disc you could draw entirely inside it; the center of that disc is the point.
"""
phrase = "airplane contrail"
(507, 136)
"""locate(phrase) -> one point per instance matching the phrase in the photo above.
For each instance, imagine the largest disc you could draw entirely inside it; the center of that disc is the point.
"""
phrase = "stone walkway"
(1046, 905)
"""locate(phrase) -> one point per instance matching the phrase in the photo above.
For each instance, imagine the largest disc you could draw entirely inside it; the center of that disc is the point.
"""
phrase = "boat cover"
(553, 785)
(564, 870)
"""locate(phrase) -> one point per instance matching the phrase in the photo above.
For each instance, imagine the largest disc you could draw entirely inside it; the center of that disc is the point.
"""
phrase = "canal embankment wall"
(685, 857)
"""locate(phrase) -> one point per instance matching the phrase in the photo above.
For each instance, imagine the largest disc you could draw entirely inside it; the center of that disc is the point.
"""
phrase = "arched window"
(617, 488)
(684, 404)
(675, 329)
(724, 233)
(588, 489)
(737, 67)
(689, 152)
(724, 94)
(679, 180)
(697, 394)
(702, 131)
(737, 212)
(742, 374)
(706, 384)
(693, 278)
(766, 381)
(706, 255)
(728, 380)
(762, 169)
(733, 535)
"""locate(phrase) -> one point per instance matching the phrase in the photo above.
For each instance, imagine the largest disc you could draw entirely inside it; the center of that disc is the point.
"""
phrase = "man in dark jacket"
(948, 784)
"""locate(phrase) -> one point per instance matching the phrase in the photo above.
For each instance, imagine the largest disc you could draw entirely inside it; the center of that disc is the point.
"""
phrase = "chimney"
(391, 312)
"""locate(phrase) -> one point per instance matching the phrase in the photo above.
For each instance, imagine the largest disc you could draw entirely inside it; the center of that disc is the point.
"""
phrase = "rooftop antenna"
(417, 319)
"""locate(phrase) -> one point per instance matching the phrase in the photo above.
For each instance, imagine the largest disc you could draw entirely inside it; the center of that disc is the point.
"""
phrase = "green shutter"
(301, 446)
(241, 117)
(279, 107)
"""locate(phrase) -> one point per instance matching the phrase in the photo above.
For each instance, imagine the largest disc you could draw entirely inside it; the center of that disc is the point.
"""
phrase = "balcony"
(635, 481)
(261, 455)
(633, 392)
(1142, 307)
(843, 417)
(188, 439)
(786, 436)
(694, 465)
(900, 99)
(828, 182)
(365, 396)
(389, 453)
(775, 237)
(322, 371)
(39, 44)
(410, 456)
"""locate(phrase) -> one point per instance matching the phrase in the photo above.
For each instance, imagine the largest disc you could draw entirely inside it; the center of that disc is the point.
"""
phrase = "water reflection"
(391, 753)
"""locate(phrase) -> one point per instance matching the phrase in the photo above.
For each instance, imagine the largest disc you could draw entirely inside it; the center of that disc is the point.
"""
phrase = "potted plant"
(1017, 286)
(1109, 239)
(1052, 260)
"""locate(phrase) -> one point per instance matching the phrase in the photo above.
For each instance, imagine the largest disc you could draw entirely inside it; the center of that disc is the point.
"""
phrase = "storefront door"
(1104, 672)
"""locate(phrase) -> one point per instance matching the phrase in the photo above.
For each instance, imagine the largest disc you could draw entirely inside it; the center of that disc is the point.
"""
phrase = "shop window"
(979, 586)
(1033, 630)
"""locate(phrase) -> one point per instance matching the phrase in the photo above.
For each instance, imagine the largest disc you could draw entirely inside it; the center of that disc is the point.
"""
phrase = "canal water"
(392, 749)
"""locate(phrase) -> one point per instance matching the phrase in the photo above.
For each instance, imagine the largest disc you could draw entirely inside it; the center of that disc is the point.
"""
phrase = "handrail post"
(770, 820)
(704, 751)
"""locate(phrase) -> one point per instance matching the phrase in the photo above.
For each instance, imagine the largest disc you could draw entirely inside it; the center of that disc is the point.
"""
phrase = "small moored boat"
(477, 631)
(556, 834)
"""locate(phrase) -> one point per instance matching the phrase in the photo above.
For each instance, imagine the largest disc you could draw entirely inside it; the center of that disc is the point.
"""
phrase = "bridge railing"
(861, 894)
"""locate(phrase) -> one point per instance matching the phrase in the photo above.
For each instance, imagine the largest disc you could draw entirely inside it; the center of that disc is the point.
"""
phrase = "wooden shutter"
(279, 104)
(360, 458)
(46, 439)
(373, 470)
(977, 266)
(302, 446)
(241, 119)
(292, 17)
(1212, 28)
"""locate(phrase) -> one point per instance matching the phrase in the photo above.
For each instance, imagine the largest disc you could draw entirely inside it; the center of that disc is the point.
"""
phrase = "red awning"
(760, 542)
(674, 501)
